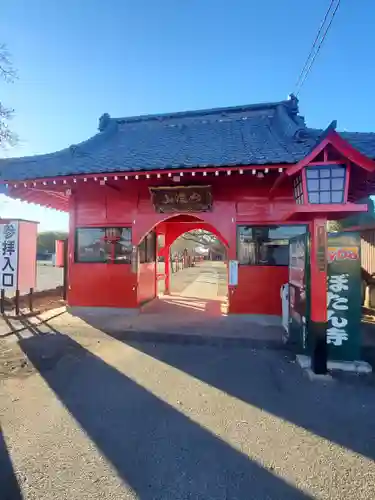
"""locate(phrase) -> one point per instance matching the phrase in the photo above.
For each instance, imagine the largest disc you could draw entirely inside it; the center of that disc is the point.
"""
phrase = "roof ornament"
(326, 132)
(104, 122)
(77, 151)
(293, 103)
(73, 149)
(302, 135)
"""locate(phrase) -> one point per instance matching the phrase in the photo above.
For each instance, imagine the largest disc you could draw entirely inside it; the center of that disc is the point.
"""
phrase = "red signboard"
(342, 253)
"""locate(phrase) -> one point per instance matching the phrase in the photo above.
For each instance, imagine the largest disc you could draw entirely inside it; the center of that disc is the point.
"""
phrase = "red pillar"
(170, 236)
(71, 242)
(59, 253)
(167, 266)
(318, 283)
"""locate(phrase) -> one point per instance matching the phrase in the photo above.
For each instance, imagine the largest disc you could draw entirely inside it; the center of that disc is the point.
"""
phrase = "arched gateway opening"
(183, 263)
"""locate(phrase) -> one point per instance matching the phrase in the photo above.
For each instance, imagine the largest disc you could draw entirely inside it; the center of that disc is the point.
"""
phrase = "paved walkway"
(202, 288)
(206, 279)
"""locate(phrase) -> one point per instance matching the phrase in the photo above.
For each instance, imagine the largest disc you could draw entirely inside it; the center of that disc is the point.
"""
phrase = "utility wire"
(318, 48)
(312, 55)
(315, 42)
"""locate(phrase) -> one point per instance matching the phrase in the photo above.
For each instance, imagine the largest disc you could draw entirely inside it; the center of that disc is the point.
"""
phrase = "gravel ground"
(95, 418)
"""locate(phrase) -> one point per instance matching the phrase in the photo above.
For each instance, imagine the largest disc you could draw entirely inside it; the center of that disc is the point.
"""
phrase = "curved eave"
(56, 201)
(70, 180)
(69, 156)
(55, 192)
(142, 172)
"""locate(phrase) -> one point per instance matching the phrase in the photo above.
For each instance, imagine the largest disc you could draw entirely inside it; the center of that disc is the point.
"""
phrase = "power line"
(314, 52)
(319, 46)
(315, 42)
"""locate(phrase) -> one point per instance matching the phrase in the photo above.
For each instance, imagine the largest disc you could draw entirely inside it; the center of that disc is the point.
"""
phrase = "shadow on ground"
(25, 322)
(187, 320)
(157, 450)
(160, 452)
(342, 412)
(368, 340)
(266, 379)
(9, 488)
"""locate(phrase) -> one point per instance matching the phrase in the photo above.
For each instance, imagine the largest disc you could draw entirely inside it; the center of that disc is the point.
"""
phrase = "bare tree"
(334, 226)
(8, 74)
(201, 238)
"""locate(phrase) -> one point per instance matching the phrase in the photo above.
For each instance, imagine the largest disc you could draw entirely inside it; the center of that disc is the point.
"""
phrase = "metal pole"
(17, 302)
(31, 299)
(2, 301)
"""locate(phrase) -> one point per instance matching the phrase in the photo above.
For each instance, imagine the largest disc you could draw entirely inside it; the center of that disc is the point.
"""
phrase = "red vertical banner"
(318, 255)
(318, 289)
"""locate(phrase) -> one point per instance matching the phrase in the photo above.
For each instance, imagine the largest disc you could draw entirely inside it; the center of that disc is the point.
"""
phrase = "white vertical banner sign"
(233, 273)
(9, 255)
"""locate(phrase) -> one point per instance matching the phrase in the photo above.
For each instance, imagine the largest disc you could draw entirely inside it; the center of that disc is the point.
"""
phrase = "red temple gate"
(252, 175)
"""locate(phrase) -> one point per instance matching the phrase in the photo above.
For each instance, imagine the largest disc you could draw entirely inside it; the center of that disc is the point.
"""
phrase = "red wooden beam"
(277, 183)
(294, 169)
(330, 211)
(351, 153)
(364, 227)
(55, 194)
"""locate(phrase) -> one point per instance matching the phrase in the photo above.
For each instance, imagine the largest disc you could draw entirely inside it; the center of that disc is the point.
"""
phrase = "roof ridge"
(354, 132)
(291, 104)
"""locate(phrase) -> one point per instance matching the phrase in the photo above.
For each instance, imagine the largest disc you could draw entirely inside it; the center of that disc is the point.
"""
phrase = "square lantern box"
(325, 185)
(18, 241)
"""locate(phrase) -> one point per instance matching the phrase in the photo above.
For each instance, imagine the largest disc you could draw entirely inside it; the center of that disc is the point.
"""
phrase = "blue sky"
(79, 59)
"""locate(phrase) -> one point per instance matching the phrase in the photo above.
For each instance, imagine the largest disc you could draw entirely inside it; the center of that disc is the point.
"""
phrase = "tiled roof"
(363, 141)
(257, 134)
